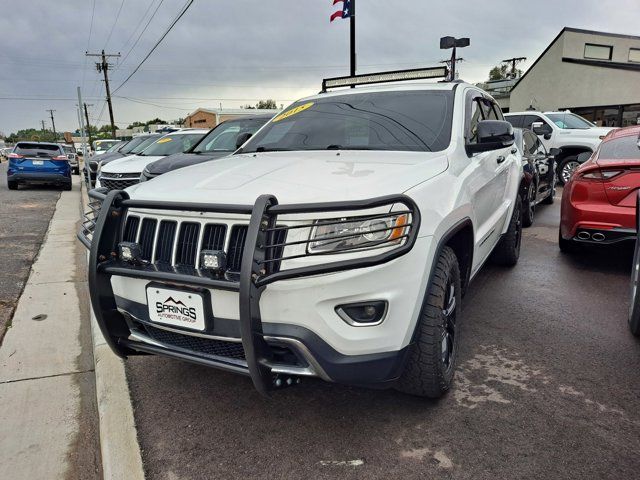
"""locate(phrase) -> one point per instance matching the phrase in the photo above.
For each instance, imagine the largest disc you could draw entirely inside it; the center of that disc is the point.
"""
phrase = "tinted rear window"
(622, 148)
(37, 150)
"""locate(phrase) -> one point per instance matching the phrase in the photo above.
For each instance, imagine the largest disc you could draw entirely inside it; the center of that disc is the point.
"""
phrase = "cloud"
(233, 53)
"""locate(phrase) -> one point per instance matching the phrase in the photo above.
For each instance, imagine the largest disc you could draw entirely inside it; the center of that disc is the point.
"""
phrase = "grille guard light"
(130, 252)
(214, 260)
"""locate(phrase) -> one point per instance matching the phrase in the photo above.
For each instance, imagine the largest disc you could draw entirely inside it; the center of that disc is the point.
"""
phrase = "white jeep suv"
(336, 243)
(566, 131)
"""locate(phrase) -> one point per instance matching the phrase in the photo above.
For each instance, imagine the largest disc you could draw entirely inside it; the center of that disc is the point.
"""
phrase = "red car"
(599, 202)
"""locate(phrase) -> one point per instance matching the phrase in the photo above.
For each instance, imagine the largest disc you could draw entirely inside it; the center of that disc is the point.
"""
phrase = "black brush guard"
(103, 229)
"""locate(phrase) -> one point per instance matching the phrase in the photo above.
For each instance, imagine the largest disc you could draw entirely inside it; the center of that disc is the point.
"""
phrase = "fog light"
(130, 252)
(214, 260)
(363, 314)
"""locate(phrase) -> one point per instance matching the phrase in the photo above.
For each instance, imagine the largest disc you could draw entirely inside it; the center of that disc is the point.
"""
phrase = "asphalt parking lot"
(24, 219)
(546, 386)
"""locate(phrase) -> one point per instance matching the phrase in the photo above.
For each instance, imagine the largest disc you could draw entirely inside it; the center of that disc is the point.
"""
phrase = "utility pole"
(103, 66)
(514, 61)
(43, 129)
(452, 69)
(53, 123)
(86, 116)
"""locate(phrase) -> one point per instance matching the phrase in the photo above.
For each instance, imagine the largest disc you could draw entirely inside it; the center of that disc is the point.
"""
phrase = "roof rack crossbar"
(385, 77)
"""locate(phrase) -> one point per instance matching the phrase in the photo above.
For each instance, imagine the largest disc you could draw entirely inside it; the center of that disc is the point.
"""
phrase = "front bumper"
(272, 346)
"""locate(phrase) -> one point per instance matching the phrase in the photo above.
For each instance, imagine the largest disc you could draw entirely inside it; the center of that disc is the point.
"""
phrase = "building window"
(201, 120)
(598, 52)
(634, 55)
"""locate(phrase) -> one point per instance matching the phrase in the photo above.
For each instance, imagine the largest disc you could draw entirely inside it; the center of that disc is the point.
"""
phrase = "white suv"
(566, 131)
(336, 243)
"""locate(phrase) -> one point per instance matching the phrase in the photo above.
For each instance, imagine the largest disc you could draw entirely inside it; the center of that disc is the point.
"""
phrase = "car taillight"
(60, 157)
(15, 155)
(601, 174)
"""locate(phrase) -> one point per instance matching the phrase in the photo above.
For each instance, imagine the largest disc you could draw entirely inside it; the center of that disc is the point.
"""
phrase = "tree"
(266, 104)
(503, 72)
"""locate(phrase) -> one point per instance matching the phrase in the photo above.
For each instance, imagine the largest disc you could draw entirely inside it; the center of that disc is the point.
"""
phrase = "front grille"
(187, 244)
(147, 233)
(192, 238)
(236, 246)
(111, 184)
(164, 248)
(203, 346)
(131, 229)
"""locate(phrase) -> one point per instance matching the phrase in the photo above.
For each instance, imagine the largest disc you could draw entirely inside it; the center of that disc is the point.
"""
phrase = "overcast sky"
(236, 52)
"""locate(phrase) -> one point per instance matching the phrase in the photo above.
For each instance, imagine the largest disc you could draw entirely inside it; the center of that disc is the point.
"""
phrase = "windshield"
(622, 148)
(170, 144)
(223, 137)
(146, 141)
(69, 149)
(569, 121)
(104, 145)
(416, 120)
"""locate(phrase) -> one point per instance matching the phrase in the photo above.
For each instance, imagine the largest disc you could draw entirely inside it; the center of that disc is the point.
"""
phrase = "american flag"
(345, 12)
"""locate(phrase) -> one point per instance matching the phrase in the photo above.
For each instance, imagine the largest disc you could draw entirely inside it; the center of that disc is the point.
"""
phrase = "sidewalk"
(48, 420)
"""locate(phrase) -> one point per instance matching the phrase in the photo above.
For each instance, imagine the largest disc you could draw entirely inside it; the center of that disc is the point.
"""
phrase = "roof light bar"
(384, 77)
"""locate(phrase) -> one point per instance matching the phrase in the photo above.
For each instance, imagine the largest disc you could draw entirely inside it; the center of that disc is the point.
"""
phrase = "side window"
(540, 149)
(473, 116)
(530, 119)
(498, 111)
(487, 110)
(515, 120)
(529, 143)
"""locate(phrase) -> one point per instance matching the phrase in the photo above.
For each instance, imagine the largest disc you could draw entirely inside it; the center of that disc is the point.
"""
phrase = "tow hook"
(284, 381)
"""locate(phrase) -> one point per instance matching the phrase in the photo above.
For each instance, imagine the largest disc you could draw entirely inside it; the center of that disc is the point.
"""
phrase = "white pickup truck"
(336, 243)
(566, 131)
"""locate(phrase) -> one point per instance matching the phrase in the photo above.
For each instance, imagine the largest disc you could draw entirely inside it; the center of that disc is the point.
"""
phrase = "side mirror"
(540, 128)
(242, 139)
(583, 157)
(492, 135)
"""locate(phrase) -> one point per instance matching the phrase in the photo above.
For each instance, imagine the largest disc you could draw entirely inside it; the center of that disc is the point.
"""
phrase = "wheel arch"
(569, 150)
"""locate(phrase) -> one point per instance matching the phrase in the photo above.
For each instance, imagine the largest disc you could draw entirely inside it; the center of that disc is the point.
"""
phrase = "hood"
(129, 164)
(295, 177)
(181, 160)
(110, 157)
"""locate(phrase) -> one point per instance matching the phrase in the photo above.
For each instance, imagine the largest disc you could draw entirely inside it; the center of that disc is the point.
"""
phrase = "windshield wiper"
(272, 149)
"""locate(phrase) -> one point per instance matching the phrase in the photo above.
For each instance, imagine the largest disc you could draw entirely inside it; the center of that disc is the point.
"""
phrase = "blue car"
(38, 162)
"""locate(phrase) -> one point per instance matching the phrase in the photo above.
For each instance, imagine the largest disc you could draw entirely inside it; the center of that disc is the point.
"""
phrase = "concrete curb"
(121, 456)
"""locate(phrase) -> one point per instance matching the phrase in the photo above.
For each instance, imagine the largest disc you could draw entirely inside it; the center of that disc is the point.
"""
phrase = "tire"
(566, 168)
(76, 171)
(507, 252)
(13, 185)
(566, 246)
(550, 199)
(529, 207)
(432, 357)
(66, 187)
(634, 306)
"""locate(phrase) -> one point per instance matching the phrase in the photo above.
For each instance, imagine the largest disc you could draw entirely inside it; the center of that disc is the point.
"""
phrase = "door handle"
(501, 159)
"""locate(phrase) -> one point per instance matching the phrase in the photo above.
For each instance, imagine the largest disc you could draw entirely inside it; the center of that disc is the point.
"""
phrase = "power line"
(142, 32)
(184, 10)
(114, 24)
(84, 66)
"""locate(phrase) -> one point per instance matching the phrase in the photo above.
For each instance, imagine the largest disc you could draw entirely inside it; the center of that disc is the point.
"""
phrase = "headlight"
(348, 234)
(143, 176)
